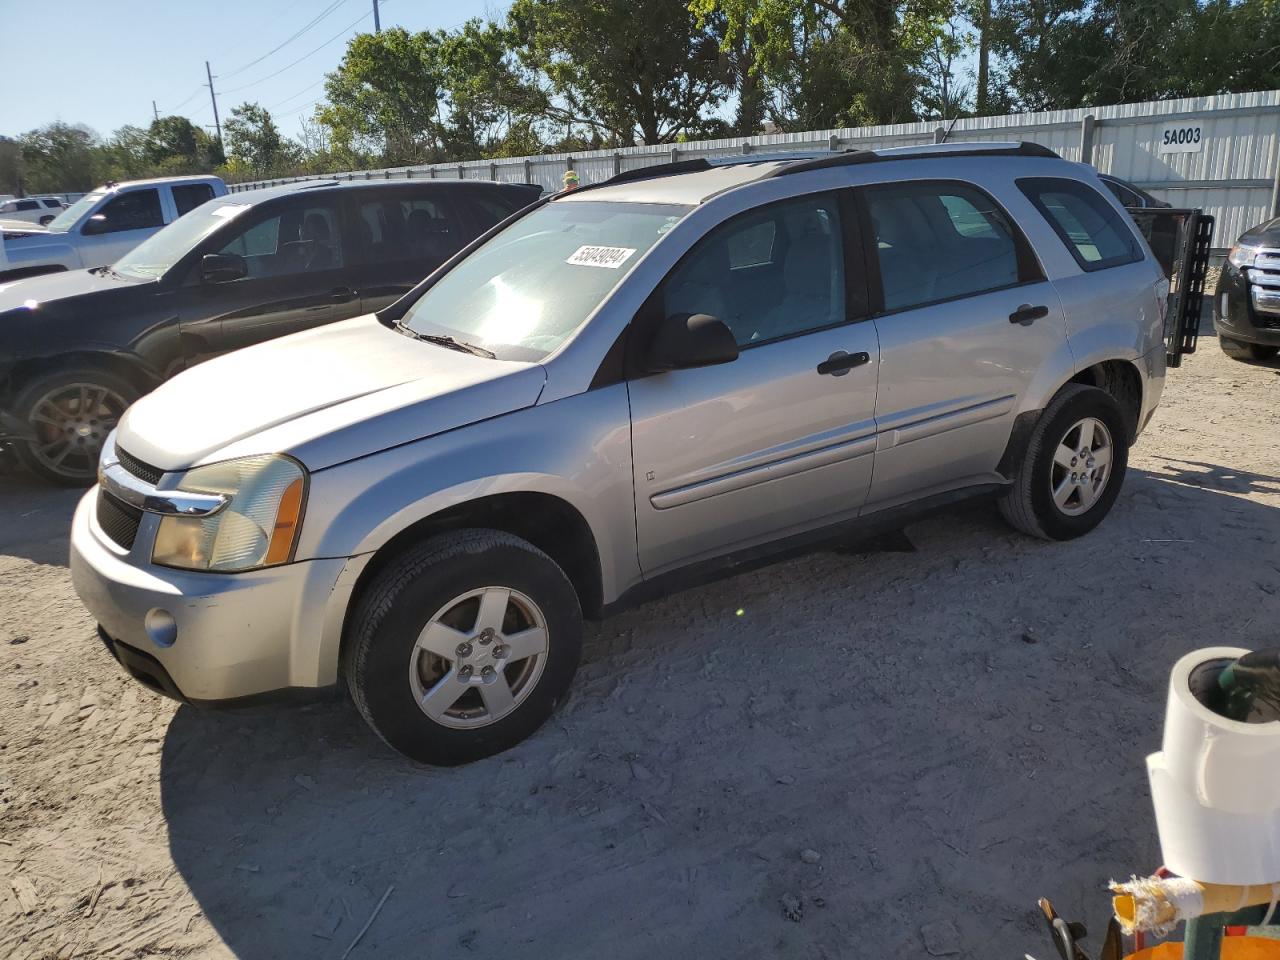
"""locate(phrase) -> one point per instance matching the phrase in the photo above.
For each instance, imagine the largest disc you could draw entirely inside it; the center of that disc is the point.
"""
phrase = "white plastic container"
(1215, 786)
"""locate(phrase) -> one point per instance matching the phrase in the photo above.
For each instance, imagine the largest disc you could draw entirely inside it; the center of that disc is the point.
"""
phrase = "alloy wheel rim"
(1081, 466)
(71, 423)
(478, 657)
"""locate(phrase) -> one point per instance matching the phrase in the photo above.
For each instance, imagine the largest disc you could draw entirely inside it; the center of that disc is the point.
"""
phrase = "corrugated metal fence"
(1218, 153)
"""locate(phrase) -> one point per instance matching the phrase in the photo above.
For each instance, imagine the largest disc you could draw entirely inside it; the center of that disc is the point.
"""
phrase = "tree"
(831, 63)
(494, 102)
(254, 142)
(59, 158)
(386, 97)
(630, 69)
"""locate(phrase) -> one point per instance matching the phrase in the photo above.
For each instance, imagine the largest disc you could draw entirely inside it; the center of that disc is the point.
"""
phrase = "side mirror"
(690, 340)
(94, 225)
(223, 267)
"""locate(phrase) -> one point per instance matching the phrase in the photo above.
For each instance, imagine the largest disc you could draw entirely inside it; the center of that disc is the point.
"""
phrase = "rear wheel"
(70, 413)
(1073, 468)
(1239, 350)
(463, 646)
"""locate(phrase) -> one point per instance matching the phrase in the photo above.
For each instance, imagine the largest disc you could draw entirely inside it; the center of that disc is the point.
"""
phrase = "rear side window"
(50, 202)
(136, 210)
(188, 196)
(418, 230)
(937, 241)
(28, 205)
(1093, 230)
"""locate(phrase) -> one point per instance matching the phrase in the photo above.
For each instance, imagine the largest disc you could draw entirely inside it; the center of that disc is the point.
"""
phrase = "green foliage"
(254, 143)
(575, 75)
(385, 97)
(629, 69)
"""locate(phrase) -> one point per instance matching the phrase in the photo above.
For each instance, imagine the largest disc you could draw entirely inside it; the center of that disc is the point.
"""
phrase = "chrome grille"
(118, 520)
(139, 469)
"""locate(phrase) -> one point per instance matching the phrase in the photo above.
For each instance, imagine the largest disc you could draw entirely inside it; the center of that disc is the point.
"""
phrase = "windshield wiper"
(442, 341)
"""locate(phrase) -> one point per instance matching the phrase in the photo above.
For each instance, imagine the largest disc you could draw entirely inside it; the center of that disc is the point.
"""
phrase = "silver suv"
(612, 394)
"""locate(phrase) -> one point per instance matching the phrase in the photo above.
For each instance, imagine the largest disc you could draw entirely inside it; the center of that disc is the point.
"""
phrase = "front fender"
(39, 254)
(577, 449)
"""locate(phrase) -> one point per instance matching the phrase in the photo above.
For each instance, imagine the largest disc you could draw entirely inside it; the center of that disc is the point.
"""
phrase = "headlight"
(1243, 255)
(257, 528)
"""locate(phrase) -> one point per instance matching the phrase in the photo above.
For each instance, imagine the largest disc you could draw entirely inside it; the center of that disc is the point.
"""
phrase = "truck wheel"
(1073, 468)
(70, 412)
(463, 646)
(1239, 350)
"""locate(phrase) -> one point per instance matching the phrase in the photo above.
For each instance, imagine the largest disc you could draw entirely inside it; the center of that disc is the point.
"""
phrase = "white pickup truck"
(101, 226)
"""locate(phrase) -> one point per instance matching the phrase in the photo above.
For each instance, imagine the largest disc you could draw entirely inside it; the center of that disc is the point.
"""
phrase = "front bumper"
(214, 637)
(1246, 305)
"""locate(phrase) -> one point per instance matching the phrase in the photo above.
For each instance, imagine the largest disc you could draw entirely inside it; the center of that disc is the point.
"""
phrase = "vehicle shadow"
(37, 518)
(939, 727)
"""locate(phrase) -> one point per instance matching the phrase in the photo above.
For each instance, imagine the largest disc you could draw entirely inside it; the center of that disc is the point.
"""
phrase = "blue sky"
(101, 64)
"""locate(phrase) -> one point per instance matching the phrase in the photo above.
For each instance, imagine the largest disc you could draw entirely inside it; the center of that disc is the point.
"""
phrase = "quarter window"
(1092, 229)
(771, 273)
(939, 241)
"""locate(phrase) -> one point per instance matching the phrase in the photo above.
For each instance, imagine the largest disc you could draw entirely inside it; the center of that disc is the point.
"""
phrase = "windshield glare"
(153, 257)
(68, 217)
(529, 288)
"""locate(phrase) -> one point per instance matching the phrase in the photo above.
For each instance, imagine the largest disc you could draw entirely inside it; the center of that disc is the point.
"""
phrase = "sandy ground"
(952, 732)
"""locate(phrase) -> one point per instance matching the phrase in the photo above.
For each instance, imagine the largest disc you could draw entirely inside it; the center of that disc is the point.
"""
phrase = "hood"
(1264, 235)
(20, 226)
(325, 396)
(50, 290)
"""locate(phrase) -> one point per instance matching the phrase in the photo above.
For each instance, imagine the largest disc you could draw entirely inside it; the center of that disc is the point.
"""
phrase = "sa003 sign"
(1184, 137)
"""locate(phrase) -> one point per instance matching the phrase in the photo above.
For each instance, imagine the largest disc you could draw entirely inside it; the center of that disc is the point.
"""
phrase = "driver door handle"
(1026, 314)
(342, 294)
(840, 363)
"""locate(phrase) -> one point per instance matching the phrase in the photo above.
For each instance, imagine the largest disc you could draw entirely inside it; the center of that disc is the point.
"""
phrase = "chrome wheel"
(478, 657)
(1081, 466)
(71, 422)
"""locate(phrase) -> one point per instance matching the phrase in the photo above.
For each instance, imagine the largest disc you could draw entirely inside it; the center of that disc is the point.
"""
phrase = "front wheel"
(69, 414)
(1073, 468)
(463, 646)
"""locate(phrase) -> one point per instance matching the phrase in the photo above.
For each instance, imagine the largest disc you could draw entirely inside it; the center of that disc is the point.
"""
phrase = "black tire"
(1239, 350)
(1029, 506)
(384, 629)
(109, 395)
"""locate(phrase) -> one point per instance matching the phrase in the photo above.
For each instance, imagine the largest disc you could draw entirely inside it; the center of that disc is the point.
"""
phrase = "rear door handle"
(840, 363)
(1026, 314)
(342, 294)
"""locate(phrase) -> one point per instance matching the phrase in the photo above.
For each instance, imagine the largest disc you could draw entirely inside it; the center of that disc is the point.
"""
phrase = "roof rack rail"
(1023, 148)
(650, 172)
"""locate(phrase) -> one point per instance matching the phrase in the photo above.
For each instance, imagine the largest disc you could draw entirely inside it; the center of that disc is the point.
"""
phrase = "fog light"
(160, 627)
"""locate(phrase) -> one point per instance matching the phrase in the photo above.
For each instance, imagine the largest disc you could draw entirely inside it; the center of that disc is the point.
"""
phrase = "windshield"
(524, 292)
(154, 256)
(68, 217)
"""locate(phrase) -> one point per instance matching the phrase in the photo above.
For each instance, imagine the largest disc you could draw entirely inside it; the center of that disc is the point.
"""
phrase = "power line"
(311, 23)
(269, 76)
(309, 86)
(194, 93)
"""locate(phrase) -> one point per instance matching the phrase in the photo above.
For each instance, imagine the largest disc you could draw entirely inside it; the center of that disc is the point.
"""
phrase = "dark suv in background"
(1246, 305)
(77, 348)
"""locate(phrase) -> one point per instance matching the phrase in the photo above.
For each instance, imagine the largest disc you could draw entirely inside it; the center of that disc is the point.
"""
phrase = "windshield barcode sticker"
(609, 257)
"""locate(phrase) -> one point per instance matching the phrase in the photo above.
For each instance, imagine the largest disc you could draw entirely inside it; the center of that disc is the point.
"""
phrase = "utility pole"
(217, 124)
(155, 110)
(377, 23)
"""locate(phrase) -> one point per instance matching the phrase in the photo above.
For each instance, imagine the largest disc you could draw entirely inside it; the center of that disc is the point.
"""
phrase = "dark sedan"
(77, 348)
(1246, 305)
